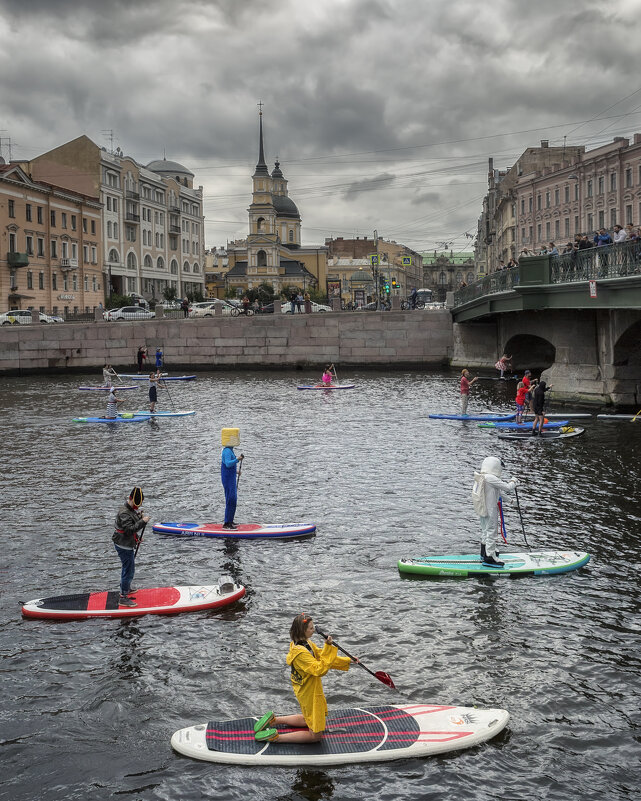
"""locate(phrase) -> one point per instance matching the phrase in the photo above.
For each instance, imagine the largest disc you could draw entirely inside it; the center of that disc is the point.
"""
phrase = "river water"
(89, 707)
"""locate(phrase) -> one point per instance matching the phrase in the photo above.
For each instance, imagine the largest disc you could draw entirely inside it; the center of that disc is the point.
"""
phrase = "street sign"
(407, 261)
(592, 289)
(373, 259)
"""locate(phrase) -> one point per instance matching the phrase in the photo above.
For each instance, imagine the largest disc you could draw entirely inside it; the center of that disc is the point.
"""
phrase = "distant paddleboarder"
(308, 663)
(108, 374)
(538, 404)
(141, 355)
(129, 520)
(327, 376)
(159, 358)
(230, 438)
(154, 378)
(465, 389)
(112, 404)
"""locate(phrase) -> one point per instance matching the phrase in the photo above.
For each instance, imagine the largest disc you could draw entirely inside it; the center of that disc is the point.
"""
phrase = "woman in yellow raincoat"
(308, 663)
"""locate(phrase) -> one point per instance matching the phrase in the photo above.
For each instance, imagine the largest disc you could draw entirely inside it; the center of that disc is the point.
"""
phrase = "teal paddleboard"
(536, 563)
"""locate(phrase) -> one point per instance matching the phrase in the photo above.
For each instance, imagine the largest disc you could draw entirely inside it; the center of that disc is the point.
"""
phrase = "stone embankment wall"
(387, 339)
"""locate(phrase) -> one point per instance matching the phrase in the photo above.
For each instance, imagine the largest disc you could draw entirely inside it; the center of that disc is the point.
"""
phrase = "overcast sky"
(383, 112)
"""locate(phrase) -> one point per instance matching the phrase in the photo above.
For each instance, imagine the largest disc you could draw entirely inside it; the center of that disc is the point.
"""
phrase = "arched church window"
(260, 224)
(442, 278)
(261, 258)
(291, 236)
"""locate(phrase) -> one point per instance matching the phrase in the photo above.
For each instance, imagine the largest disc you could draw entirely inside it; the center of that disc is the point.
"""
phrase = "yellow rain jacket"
(306, 673)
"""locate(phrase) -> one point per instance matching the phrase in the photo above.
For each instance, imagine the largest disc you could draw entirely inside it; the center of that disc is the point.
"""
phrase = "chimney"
(545, 143)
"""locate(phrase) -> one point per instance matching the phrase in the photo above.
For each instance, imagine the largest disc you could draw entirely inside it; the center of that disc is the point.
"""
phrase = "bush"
(115, 301)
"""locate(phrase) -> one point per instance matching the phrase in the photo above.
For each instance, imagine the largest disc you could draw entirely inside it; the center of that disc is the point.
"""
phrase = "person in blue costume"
(230, 438)
(159, 358)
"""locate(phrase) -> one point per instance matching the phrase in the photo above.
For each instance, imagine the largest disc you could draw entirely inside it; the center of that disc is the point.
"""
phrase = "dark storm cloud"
(347, 85)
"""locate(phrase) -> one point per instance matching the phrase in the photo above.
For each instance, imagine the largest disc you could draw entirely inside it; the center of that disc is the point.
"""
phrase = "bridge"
(576, 317)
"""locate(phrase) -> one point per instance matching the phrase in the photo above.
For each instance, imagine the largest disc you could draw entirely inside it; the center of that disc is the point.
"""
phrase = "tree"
(169, 293)
(118, 301)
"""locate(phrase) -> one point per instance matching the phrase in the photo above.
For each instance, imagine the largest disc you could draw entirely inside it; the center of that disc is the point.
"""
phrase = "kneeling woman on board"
(308, 663)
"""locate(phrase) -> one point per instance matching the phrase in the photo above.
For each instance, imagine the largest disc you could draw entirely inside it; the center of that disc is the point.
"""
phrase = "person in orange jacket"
(308, 663)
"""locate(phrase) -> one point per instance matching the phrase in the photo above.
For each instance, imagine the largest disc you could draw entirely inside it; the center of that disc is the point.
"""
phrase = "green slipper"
(266, 735)
(263, 723)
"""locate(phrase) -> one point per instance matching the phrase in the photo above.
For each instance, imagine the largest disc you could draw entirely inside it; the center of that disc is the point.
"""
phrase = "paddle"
(383, 677)
(142, 532)
(635, 416)
(240, 469)
(331, 367)
(168, 393)
(518, 506)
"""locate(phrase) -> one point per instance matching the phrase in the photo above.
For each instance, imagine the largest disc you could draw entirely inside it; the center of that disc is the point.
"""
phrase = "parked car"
(316, 307)
(169, 304)
(128, 313)
(206, 308)
(23, 317)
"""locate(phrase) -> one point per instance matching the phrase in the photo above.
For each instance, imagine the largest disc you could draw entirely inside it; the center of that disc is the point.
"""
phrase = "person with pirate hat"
(129, 520)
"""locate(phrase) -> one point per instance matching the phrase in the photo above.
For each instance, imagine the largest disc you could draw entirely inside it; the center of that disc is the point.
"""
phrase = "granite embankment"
(396, 338)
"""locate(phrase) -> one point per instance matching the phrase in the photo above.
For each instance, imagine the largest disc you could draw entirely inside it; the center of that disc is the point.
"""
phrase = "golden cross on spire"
(260, 105)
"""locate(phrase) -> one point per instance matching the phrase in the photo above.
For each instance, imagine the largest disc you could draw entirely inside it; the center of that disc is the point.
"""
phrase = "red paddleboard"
(156, 601)
(245, 531)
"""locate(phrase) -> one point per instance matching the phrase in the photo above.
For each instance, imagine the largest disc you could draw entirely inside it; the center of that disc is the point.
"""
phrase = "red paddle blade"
(385, 678)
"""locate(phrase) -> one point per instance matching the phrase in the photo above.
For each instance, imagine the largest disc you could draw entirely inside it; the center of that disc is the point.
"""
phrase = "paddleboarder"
(521, 392)
(538, 403)
(141, 356)
(108, 374)
(486, 493)
(112, 404)
(327, 376)
(465, 389)
(230, 438)
(308, 663)
(158, 358)
(154, 378)
(503, 364)
(129, 520)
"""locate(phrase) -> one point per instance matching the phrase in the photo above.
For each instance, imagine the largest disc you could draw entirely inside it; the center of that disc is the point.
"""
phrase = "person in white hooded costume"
(486, 492)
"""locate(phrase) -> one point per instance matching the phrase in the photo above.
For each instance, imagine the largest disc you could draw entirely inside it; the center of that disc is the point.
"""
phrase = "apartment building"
(50, 257)
(152, 216)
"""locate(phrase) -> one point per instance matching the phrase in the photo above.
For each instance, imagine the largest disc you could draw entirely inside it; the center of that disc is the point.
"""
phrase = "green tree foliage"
(169, 293)
(115, 301)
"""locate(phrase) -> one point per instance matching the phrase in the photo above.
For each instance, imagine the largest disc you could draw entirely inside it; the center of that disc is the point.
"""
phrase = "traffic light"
(394, 283)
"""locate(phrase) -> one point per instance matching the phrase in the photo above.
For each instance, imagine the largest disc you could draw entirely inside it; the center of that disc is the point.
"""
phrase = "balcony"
(18, 259)
(132, 195)
(174, 209)
(130, 217)
(174, 229)
(68, 264)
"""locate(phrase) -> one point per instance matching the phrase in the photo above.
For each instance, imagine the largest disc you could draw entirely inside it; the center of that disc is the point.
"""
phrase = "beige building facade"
(152, 217)
(50, 257)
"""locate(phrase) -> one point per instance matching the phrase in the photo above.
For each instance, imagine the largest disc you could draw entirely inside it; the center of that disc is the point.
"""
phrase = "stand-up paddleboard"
(123, 417)
(245, 531)
(362, 734)
(162, 414)
(524, 426)
(562, 433)
(537, 563)
(162, 377)
(141, 376)
(497, 418)
(497, 378)
(322, 386)
(618, 417)
(157, 601)
(108, 389)
(561, 416)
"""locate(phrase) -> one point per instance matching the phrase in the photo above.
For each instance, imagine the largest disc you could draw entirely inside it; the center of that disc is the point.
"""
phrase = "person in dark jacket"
(129, 521)
(538, 402)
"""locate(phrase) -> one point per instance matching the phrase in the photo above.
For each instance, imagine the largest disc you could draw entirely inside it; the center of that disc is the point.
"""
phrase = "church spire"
(261, 167)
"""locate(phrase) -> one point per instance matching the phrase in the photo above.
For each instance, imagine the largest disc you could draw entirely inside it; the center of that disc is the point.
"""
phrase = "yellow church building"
(273, 252)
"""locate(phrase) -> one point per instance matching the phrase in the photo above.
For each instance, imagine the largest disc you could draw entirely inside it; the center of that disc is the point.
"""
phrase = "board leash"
(502, 531)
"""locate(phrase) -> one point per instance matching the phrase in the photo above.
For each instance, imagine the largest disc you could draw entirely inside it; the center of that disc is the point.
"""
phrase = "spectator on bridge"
(526, 252)
(552, 249)
(569, 248)
(501, 265)
(619, 234)
(602, 237)
(584, 242)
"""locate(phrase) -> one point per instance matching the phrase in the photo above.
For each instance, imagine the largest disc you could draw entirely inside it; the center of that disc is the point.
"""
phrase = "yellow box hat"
(230, 437)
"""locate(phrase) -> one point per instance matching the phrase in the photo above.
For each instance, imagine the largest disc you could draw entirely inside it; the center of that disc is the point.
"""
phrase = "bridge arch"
(529, 351)
(627, 348)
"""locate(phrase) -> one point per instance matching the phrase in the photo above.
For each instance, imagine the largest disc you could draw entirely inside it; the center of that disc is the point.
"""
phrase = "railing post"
(535, 270)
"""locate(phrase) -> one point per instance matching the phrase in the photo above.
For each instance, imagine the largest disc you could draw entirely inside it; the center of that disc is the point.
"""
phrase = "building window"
(601, 185)
(86, 283)
(557, 229)
(30, 245)
(576, 224)
(39, 214)
(41, 246)
(131, 261)
(94, 255)
(109, 229)
(601, 219)
(53, 219)
(54, 249)
(54, 280)
(12, 208)
(84, 224)
(522, 205)
(94, 283)
(442, 278)
(108, 203)
(567, 194)
(41, 280)
(613, 182)
(93, 227)
(85, 254)
(529, 203)
(538, 202)
(27, 212)
(628, 215)
(63, 219)
(530, 233)
(538, 232)
(588, 189)
(547, 231)
(160, 263)
(613, 217)
(547, 200)
(29, 279)
(174, 266)
(576, 190)
(590, 224)
(557, 197)
(567, 226)
(65, 250)
(148, 262)
(628, 177)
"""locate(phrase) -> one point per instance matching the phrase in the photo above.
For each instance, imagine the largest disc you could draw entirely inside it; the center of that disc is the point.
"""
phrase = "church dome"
(285, 206)
(170, 168)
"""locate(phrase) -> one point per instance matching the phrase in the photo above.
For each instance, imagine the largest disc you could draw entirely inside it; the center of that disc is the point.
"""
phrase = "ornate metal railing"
(607, 261)
(500, 281)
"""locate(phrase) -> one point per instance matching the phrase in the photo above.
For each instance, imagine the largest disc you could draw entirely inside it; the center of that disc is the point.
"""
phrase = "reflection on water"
(382, 482)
